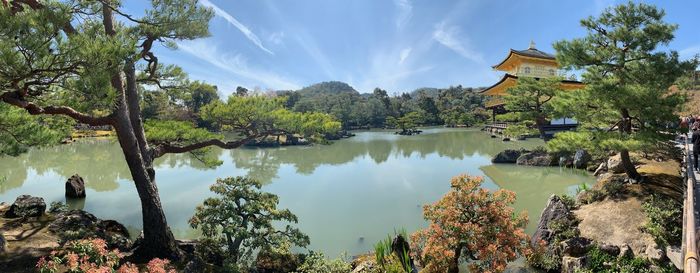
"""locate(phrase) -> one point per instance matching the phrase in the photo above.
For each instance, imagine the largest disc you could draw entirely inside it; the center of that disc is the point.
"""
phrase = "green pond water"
(347, 195)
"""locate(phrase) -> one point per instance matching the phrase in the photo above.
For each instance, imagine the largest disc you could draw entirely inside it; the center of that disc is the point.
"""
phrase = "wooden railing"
(497, 125)
(690, 253)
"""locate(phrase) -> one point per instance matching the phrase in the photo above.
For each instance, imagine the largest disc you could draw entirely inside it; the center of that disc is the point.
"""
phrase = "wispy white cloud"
(235, 65)
(689, 52)
(405, 12)
(404, 54)
(449, 37)
(276, 37)
(232, 20)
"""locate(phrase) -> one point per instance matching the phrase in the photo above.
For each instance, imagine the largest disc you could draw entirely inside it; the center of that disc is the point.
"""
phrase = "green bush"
(317, 263)
(615, 188)
(600, 261)
(569, 201)
(665, 220)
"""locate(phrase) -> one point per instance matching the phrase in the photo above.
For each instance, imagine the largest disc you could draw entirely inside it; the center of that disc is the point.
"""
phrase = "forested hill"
(327, 88)
(434, 106)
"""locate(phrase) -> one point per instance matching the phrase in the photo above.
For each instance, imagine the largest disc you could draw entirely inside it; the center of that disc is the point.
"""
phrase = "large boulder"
(554, 211)
(615, 164)
(576, 247)
(26, 206)
(572, 264)
(80, 223)
(581, 159)
(537, 158)
(75, 187)
(508, 156)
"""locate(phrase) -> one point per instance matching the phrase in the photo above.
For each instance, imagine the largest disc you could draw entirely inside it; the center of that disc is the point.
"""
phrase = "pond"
(347, 195)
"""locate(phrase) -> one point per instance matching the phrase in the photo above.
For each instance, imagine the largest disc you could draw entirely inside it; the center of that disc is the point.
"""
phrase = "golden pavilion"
(530, 62)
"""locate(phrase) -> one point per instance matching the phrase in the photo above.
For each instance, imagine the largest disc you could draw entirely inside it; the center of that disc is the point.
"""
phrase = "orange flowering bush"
(92, 256)
(471, 224)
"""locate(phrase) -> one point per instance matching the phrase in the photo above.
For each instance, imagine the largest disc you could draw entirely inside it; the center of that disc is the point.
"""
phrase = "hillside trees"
(626, 104)
(91, 60)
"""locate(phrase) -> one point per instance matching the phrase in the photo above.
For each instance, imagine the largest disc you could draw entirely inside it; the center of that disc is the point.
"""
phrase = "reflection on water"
(362, 187)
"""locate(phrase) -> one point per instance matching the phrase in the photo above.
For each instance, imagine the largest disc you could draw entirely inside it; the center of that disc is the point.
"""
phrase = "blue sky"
(398, 45)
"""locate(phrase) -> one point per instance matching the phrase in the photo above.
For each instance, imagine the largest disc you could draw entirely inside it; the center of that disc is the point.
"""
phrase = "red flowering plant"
(474, 225)
(92, 256)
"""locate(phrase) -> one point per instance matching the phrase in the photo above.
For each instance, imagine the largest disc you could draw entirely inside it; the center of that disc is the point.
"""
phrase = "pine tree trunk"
(158, 240)
(627, 164)
(540, 122)
(626, 128)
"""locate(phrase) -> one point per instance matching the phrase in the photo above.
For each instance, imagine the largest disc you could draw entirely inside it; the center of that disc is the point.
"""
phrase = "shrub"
(540, 257)
(92, 255)
(665, 220)
(569, 201)
(600, 261)
(471, 224)
(614, 188)
(317, 263)
(239, 222)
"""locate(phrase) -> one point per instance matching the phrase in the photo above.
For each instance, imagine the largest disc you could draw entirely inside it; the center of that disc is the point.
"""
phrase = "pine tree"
(626, 105)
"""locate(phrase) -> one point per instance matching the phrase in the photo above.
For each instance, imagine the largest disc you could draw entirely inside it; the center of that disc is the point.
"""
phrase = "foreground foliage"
(240, 221)
(317, 263)
(471, 224)
(665, 220)
(92, 255)
(601, 262)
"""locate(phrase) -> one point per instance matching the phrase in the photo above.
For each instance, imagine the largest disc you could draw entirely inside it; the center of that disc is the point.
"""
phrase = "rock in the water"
(615, 164)
(26, 206)
(75, 187)
(581, 159)
(602, 168)
(576, 247)
(73, 222)
(572, 264)
(555, 210)
(535, 159)
(508, 156)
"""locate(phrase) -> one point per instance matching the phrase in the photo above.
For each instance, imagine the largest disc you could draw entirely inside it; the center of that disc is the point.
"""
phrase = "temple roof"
(508, 80)
(530, 52)
(533, 52)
